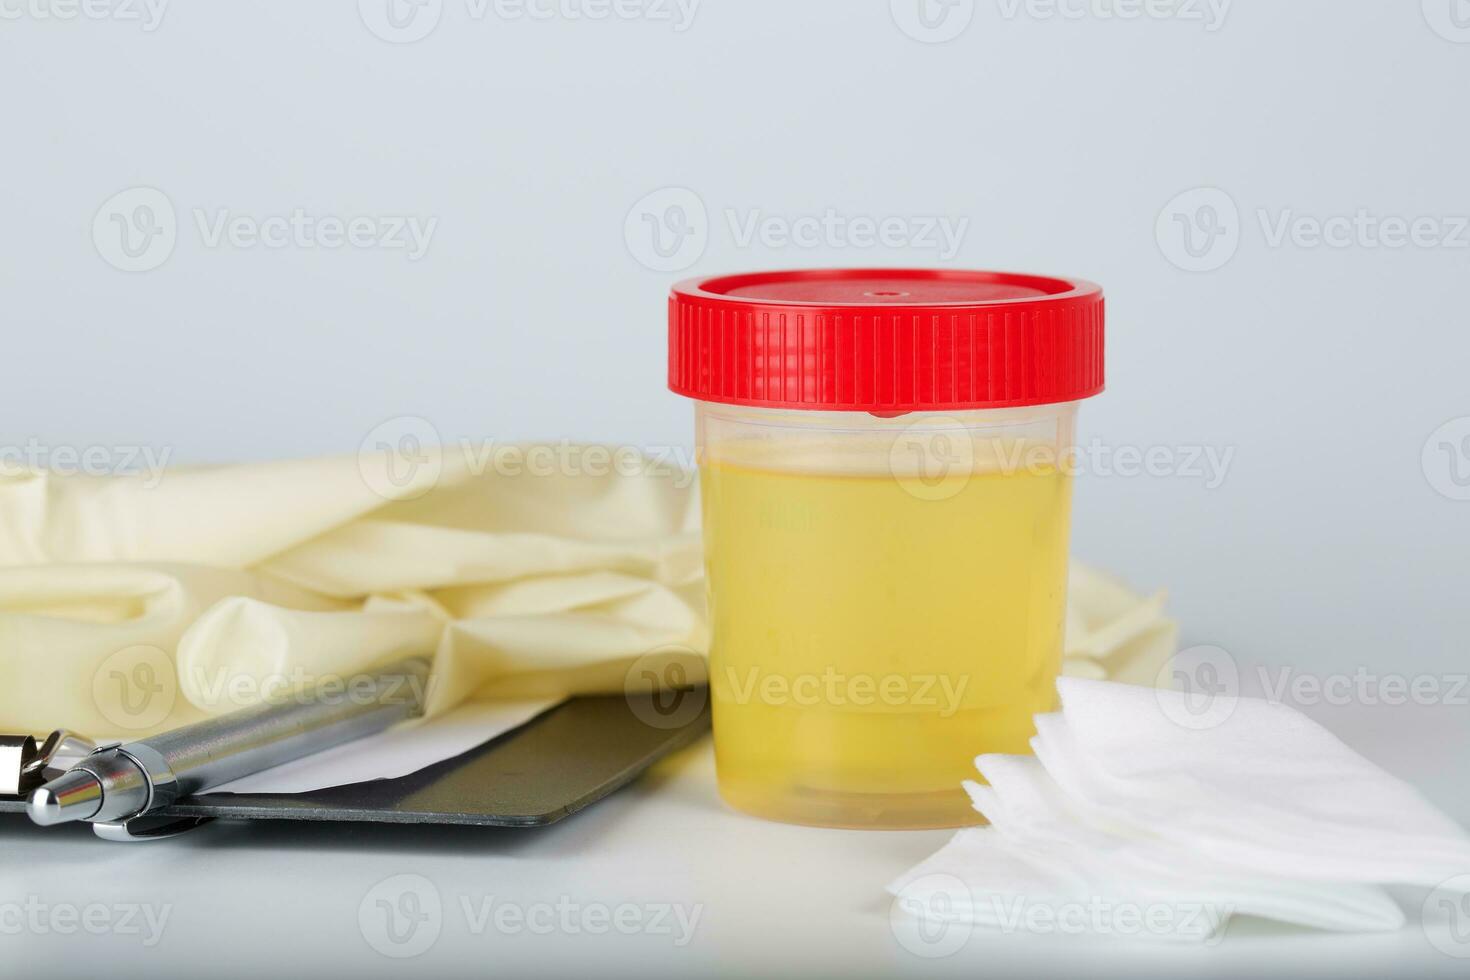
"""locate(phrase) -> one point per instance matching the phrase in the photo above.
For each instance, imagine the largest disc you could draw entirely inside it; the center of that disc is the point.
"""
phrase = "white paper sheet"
(395, 752)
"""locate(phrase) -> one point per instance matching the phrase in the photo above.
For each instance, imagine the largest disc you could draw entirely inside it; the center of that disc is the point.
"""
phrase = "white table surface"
(283, 899)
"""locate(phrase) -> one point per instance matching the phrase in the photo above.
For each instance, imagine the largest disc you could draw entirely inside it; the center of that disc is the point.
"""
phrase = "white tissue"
(1130, 824)
(1267, 788)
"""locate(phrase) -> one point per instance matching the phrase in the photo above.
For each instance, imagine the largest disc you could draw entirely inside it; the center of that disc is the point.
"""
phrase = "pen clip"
(147, 828)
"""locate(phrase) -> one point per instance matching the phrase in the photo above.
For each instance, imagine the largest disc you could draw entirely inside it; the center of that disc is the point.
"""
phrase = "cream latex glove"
(1113, 634)
(128, 608)
(91, 647)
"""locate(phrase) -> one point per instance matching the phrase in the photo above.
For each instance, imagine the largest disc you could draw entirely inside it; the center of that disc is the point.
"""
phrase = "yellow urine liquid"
(870, 640)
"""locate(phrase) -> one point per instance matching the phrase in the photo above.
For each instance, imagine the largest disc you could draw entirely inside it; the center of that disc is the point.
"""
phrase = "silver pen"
(117, 783)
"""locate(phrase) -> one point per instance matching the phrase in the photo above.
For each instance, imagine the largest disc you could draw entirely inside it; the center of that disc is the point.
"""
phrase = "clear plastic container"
(886, 584)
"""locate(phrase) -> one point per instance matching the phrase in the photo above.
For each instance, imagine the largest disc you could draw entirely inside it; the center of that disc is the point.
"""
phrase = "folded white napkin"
(131, 605)
(1128, 823)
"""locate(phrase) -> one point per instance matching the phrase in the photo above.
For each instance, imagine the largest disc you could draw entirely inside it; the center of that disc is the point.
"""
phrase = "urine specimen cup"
(886, 462)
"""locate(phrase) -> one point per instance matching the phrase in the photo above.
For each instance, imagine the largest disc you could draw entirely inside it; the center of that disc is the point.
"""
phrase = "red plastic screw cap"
(886, 340)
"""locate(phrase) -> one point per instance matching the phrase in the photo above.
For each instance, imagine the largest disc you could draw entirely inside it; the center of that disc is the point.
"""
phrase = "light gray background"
(1061, 141)
(1326, 549)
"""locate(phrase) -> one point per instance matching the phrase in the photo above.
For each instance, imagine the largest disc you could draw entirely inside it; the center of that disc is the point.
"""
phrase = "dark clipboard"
(559, 762)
